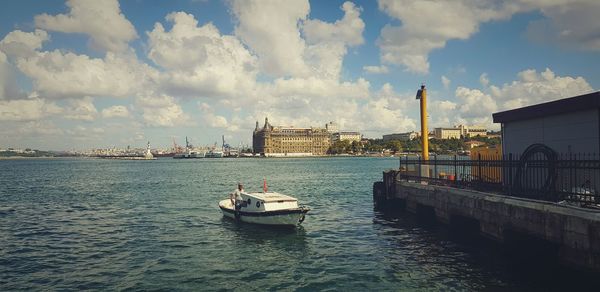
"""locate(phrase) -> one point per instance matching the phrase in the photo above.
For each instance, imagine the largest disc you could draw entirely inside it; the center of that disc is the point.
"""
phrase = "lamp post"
(422, 95)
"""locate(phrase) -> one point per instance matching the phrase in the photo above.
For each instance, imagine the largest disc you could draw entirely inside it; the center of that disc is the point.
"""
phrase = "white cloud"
(533, 87)
(62, 75)
(103, 21)
(36, 129)
(317, 88)
(199, 61)
(386, 112)
(212, 119)
(484, 80)
(23, 44)
(115, 111)
(428, 25)
(161, 110)
(572, 24)
(347, 30)
(271, 30)
(81, 109)
(445, 81)
(473, 103)
(376, 69)
(476, 106)
(27, 109)
(8, 81)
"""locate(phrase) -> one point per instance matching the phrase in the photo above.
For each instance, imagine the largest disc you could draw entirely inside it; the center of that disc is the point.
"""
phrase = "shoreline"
(38, 157)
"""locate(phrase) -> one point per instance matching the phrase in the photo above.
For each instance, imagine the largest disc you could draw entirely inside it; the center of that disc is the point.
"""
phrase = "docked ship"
(189, 153)
(214, 154)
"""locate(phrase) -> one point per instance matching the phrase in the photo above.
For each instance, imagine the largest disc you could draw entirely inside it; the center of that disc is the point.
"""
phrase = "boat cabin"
(270, 201)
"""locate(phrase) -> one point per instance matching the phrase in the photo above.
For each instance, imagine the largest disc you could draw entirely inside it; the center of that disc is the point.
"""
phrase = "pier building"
(570, 125)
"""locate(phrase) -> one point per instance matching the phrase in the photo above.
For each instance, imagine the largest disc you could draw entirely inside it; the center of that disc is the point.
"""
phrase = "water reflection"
(476, 262)
(284, 237)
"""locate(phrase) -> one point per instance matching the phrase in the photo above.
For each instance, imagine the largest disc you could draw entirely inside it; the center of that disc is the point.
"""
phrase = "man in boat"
(236, 197)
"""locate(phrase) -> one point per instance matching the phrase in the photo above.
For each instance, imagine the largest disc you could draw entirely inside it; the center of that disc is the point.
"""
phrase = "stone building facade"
(283, 141)
(446, 133)
(346, 136)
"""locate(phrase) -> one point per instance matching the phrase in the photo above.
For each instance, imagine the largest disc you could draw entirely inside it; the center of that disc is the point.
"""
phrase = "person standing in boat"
(236, 197)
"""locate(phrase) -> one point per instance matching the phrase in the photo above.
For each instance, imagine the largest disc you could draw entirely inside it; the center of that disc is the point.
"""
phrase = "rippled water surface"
(101, 224)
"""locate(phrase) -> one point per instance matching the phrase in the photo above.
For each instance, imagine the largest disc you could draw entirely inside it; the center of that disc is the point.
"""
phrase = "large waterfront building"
(447, 133)
(346, 136)
(290, 141)
(401, 136)
(337, 135)
(472, 131)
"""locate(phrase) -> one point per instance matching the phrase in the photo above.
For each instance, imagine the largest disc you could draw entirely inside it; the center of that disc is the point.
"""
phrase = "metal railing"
(566, 178)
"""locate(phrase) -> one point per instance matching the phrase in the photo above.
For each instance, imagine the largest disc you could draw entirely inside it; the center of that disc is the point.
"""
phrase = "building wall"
(476, 131)
(447, 133)
(575, 132)
(346, 136)
(401, 136)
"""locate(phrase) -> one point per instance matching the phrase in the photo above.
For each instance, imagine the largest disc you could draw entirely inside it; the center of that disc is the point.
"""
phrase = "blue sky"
(84, 74)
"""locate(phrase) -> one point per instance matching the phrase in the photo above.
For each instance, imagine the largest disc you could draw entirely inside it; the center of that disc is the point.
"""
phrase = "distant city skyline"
(84, 74)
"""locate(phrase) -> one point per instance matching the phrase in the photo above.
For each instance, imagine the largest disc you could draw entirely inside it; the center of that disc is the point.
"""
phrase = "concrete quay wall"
(574, 231)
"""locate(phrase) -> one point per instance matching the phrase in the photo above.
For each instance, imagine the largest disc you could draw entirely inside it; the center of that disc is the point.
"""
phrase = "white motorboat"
(268, 208)
(214, 154)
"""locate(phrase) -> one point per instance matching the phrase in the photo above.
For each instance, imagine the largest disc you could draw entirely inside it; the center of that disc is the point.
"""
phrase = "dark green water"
(155, 225)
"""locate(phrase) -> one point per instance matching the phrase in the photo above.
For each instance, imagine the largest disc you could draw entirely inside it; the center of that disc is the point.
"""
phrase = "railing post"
(510, 178)
(570, 187)
(479, 174)
(455, 170)
(420, 175)
(435, 175)
(400, 162)
(406, 163)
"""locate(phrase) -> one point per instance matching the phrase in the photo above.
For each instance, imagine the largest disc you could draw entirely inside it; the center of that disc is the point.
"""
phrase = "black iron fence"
(567, 178)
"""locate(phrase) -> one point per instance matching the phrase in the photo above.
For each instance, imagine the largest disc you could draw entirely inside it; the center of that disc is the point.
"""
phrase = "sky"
(87, 74)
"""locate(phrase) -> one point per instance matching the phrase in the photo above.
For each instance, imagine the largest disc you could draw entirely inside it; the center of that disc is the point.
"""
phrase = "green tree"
(339, 147)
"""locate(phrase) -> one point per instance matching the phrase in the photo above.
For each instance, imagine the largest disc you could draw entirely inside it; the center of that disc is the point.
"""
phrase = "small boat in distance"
(214, 154)
(189, 154)
(268, 208)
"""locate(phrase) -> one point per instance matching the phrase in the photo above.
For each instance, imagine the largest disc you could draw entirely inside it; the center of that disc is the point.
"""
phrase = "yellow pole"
(424, 131)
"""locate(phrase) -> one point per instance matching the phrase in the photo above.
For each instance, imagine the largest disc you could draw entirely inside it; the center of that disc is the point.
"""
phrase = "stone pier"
(574, 231)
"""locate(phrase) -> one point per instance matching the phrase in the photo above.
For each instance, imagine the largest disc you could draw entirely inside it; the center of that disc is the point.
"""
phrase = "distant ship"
(214, 154)
(188, 152)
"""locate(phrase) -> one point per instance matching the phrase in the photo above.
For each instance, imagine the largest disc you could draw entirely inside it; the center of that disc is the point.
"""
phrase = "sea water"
(73, 224)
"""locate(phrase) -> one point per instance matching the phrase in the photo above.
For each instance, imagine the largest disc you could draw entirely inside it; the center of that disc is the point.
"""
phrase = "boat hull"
(289, 217)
